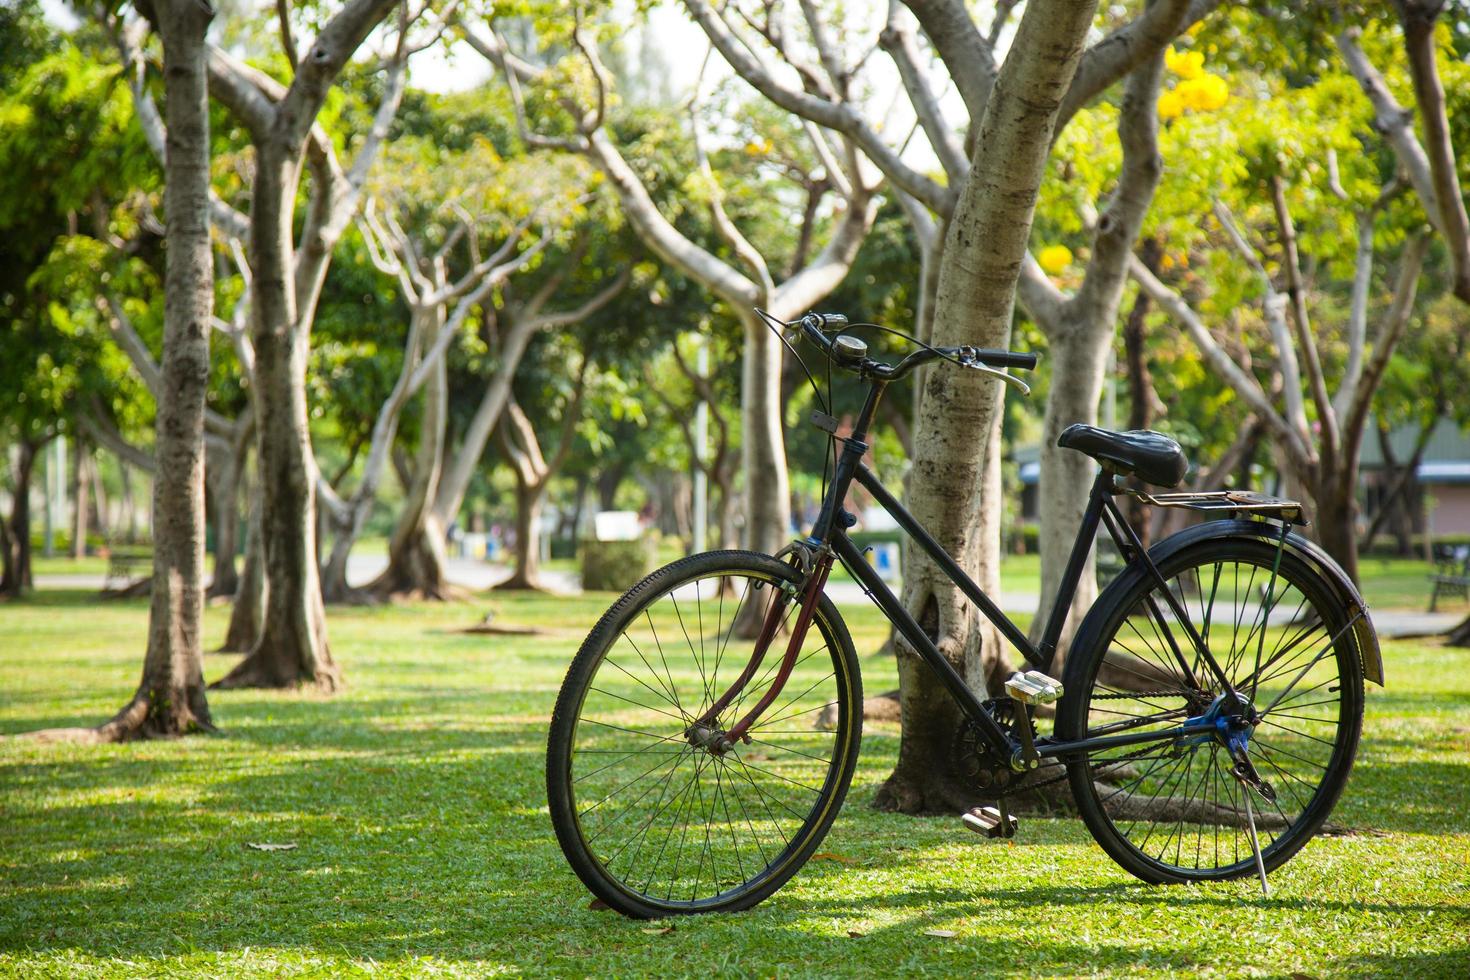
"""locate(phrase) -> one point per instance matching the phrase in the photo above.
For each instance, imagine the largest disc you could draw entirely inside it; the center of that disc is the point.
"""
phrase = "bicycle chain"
(1024, 785)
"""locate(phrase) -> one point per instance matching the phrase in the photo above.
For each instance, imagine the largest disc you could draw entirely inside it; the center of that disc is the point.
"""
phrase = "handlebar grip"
(830, 320)
(1007, 358)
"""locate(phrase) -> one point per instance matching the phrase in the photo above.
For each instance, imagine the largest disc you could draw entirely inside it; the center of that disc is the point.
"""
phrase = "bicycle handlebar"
(851, 353)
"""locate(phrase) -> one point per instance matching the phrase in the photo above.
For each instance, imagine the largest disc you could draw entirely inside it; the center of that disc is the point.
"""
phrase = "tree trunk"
(81, 462)
(1079, 359)
(17, 579)
(767, 488)
(726, 512)
(983, 251)
(292, 649)
(608, 482)
(530, 499)
(248, 612)
(1142, 398)
(129, 507)
(99, 515)
(225, 489)
(170, 698)
(1337, 512)
(1081, 336)
(416, 554)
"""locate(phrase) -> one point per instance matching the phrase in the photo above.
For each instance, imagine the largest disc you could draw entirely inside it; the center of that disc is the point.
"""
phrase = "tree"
(742, 282)
(292, 647)
(66, 155)
(439, 308)
(441, 473)
(533, 471)
(967, 288)
(1318, 431)
(170, 699)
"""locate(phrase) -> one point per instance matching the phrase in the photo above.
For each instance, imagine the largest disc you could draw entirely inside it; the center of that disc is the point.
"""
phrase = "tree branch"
(898, 41)
(745, 251)
(1244, 384)
(1419, 19)
(101, 430)
(324, 60)
(1296, 292)
(1273, 305)
(963, 49)
(1128, 47)
(1395, 320)
(838, 116)
(1394, 121)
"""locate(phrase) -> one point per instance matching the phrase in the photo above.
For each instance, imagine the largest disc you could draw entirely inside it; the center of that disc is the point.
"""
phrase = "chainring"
(984, 769)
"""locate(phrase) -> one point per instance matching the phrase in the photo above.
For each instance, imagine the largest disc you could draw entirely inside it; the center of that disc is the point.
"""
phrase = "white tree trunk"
(767, 485)
(1079, 358)
(982, 256)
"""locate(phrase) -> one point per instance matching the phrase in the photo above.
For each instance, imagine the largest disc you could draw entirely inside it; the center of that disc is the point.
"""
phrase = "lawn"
(417, 806)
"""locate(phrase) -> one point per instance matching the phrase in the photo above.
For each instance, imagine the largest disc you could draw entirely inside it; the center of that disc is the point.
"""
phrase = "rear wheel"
(656, 822)
(1171, 811)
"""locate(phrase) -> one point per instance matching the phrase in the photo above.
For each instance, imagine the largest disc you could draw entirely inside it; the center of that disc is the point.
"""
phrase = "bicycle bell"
(848, 350)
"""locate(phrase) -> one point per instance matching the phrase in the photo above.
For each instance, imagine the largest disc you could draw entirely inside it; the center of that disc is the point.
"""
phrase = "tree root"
(133, 590)
(520, 583)
(148, 715)
(1138, 806)
(945, 795)
(259, 671)
(390, 592)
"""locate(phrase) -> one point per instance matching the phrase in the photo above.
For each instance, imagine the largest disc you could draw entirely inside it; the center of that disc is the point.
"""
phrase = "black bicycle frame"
(830, 530)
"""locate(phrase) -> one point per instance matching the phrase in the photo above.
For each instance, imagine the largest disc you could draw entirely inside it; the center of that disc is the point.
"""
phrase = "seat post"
(1086, 535)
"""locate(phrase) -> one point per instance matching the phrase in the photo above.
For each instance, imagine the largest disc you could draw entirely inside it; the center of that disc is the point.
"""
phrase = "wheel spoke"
(666, 813)
(1277, 633)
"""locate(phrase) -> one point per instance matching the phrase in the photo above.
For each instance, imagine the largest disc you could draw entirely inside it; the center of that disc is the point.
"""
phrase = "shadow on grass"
(419, 817)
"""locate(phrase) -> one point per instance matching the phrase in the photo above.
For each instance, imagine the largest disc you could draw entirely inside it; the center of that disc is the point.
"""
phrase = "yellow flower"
(1171, 106)
(1055, 258)
(1186, 64)
(1203, 94)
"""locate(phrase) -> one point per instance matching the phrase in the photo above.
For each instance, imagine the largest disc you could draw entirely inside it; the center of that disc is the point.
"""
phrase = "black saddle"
(1151, 456)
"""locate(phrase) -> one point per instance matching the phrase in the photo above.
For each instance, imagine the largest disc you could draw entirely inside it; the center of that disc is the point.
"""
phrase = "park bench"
(1451, 574)
(126, 565)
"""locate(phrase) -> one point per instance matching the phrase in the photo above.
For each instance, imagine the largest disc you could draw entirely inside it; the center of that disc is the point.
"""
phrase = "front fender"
(1369, 654)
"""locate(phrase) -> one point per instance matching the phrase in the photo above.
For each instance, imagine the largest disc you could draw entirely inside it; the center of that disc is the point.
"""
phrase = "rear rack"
(1226, 502)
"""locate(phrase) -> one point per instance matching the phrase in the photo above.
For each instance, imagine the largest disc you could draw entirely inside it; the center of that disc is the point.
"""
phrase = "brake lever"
(1009, 379)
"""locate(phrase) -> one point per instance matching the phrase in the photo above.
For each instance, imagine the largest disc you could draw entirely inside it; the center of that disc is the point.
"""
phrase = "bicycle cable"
(778, 327)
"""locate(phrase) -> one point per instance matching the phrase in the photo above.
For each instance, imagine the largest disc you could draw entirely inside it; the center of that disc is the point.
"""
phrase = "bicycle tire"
(1329, 726)
(738, 784)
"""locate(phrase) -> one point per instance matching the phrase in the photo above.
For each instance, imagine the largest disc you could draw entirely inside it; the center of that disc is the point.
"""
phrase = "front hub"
(710, 738)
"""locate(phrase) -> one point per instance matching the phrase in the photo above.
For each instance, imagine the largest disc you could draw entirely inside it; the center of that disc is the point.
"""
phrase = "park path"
(475, 575)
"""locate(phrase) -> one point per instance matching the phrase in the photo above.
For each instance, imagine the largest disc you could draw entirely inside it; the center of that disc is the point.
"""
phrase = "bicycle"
(673, 790)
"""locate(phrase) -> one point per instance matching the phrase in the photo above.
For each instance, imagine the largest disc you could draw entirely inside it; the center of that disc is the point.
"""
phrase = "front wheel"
(657, 819)
(1172, 811)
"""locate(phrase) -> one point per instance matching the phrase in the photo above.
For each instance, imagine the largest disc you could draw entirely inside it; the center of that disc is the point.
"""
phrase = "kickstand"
(1250, 816)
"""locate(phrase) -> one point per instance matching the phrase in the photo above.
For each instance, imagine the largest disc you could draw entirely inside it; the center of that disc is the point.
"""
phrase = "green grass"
(416, 800)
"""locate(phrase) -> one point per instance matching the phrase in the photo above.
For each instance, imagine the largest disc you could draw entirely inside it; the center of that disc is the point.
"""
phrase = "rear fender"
(1366, 637)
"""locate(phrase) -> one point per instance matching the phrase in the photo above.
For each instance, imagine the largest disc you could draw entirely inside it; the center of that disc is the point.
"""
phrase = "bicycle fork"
(704, 733)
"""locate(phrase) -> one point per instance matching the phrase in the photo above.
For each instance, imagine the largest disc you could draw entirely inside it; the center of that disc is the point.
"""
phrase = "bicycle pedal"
(990, 822)
(1033, 687)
